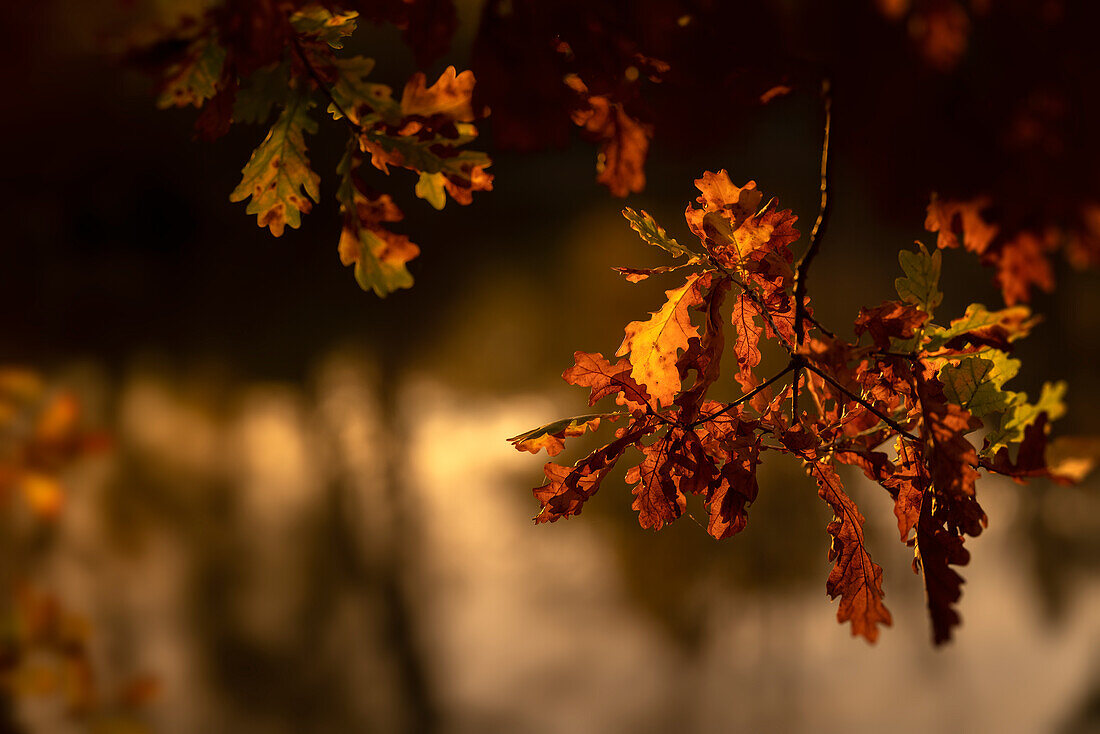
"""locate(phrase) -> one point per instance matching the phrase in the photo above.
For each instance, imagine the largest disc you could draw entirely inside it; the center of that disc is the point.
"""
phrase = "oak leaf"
(855, 578)
(278, 177)
(653, 344)
(552, 435)
(594, 371)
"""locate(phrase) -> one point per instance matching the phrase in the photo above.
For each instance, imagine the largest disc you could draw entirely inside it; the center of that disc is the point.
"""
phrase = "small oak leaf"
(855, 578)
(936, 550)
(653, 344)
(747, 345)
(194, 79)
(657, 499)
(653, 233)
(1022, 263)
(920, 286)
(551, 436)
(450, 96)
(952, 219)
(594, 371)
(278, 177)
(979, 326)
(324, 25)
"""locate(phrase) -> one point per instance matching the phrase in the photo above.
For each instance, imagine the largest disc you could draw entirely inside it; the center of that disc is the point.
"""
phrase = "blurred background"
(305, 517)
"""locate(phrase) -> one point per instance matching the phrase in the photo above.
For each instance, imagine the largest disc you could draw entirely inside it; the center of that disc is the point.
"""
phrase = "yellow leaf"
(653, 344)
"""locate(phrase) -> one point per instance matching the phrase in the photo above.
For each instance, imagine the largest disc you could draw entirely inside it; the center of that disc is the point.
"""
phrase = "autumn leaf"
(952, 459)
(449, 96)
(747, 345)
(653, 344)
(263, 90)
(955, 219)
(278, 177)
(194, 79)
(908, 484)
(379, 255)
(855, 578)
(891, 320)
(592, 370)
(567, 489)
(1022, 264)
(979, 326)
(1021, 414)
(654, 234)
(936, 551)
(552, 436)
(657, 499)
(728, 499)
(324, 25)
(624, 141)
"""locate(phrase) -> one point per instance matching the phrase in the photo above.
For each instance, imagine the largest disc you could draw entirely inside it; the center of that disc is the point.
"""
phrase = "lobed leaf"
(551, 436)
(920, 286)
(653, 344)
(653, 233)
(278, 177)
(855, 578)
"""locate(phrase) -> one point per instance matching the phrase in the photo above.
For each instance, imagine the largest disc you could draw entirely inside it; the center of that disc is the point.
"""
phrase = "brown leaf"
(624, 141)
(657, 499)
(890, 320)
(568, 488)
(952, 219)
(937, 549)
(952, 459)
(747, 345)
(592, 370)
(1023, 264)
(855, 578)
(728, 500)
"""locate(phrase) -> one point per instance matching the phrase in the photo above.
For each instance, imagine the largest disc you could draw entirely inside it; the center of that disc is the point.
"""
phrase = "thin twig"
(809, 317)
(882, 416)
(748, 289)
(794, 395)
(747, 396)
(297, 46)
(818, 231)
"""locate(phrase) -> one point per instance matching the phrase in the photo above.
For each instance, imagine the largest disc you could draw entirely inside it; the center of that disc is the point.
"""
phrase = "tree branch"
(818, 231)
(321, 84)
(747, 396)
(882, 416)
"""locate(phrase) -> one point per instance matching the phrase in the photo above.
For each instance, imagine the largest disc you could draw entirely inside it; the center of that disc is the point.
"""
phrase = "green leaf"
(920, 286)
(1014, 322)
(278, 176)
(194, 80)
(324, 25)
(976, 383)
(375, 271)
(380, 256)
(264, 89)
(653, 233)
(351, 91)
(430, 188)
(1023, 414)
